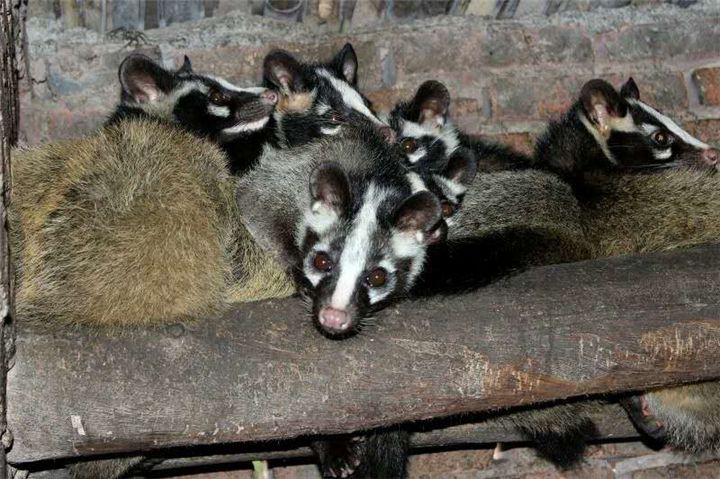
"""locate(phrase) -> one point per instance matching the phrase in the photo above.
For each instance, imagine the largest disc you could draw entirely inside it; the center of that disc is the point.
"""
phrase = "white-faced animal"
(342, 215)
(610, 130)
(317, 99)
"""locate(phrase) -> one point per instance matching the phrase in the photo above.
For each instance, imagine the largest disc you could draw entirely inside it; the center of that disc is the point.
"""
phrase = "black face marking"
(221, 113)
(238, 119)
(317, 99)
(362, 245)
(204, 105)
(653, 145)
(606, 130)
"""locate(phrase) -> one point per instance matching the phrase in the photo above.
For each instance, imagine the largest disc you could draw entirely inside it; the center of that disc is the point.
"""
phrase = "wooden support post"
(10, 18)
(263, 373)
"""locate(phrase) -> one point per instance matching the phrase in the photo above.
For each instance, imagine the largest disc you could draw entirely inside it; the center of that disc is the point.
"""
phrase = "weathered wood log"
(10, 18)
(262, 372)
(611, 420)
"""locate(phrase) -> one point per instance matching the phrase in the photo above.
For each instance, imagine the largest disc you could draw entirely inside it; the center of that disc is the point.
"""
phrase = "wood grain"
(263, 373)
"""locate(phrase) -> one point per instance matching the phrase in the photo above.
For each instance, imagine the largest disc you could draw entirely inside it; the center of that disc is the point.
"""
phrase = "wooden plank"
(262, 372)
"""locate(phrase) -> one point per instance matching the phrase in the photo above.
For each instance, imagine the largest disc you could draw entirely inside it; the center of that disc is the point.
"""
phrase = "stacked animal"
(141, 222)
(612, 176)
(644, 184)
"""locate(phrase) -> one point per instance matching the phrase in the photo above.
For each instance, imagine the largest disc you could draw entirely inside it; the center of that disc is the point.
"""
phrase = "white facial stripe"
(417, 155)
(452, 189)
(602, 143)
(320, 218)
(413, 130)
(357, 247)
(408, 245)
(378, 294)
(229, 86)
(163, 106)
(312, 274)
(322, 108)
(216, 110)
(625, 124)
(662, 154)
(649, 129)
(350, 96)
(330, 131)
(672, 126)
(416, 182)
(245, 127)
(449, 136)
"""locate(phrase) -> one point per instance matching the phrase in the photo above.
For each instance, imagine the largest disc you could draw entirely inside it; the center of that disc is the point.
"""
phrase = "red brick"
(661, 88)
(686, 37)
(522, 142)
(385, 100)
(705, 130)
(533, 98)
(707, 81)
(243, 65)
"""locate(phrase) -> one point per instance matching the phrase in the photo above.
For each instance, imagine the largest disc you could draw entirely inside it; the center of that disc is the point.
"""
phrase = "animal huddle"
(196, 194)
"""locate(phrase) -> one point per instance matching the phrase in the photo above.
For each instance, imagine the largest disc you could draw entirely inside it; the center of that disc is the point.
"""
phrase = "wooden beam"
(10, 27)
(262, 372)
(611, 421)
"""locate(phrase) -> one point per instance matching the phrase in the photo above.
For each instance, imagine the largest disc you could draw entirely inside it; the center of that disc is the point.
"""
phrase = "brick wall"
(507, 77)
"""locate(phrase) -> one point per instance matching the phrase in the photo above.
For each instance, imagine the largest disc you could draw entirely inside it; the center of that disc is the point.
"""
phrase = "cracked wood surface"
(262, 372)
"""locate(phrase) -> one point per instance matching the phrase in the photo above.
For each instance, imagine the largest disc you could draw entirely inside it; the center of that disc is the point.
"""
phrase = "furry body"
(133, 225)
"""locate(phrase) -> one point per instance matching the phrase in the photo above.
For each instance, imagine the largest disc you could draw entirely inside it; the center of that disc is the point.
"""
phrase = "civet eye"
(662, 138)
(217, 97)
(322, 262)
(409, 145)
(376, 278)
(336, 118)
(447, 209)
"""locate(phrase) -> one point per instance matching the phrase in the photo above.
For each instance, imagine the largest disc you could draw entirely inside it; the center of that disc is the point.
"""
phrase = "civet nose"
(711, 156)
(388, 133)
(269, 96)
(335, 320)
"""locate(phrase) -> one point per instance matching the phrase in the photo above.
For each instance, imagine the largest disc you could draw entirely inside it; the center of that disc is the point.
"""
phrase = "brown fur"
(644, 213)
(135, 224)
(621, 214)
(295, 102)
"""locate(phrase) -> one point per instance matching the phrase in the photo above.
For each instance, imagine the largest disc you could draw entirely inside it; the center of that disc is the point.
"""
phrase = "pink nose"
(269, 96)
(710, 156)
(335, 319)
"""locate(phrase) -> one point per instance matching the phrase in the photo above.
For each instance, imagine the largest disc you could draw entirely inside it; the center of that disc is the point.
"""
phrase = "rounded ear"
(345, 63)
(601, 102)
(186, 66)
(282, 71)
(432, 101)
(419, 213)
(462, 166)
(142, 80)
(330, 187)
(630, 90)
